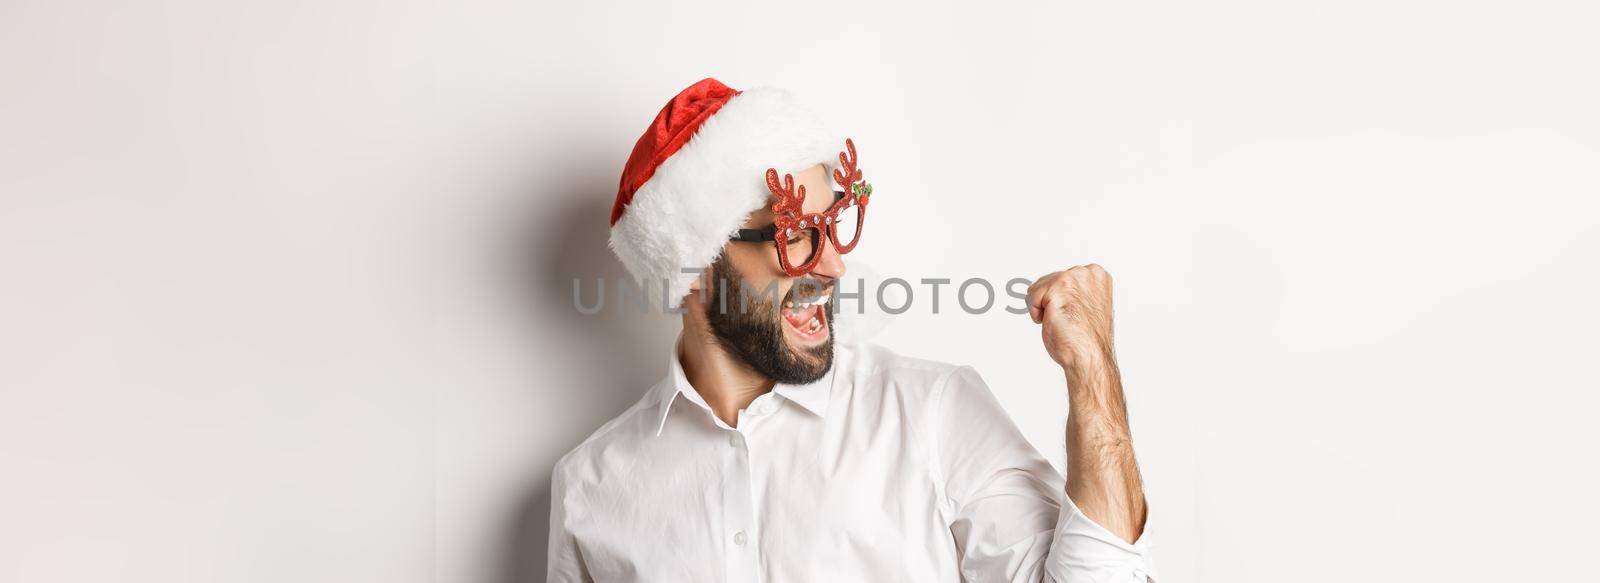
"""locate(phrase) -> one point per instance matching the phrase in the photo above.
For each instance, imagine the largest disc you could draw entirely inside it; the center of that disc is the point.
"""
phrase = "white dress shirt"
(887, 469)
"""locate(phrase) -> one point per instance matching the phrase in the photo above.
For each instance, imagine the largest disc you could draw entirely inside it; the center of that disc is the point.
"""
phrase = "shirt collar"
(812, 396)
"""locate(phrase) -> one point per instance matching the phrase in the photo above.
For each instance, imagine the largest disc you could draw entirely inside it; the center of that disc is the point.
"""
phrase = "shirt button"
(766, 408)
(733, 439)
(738, 538)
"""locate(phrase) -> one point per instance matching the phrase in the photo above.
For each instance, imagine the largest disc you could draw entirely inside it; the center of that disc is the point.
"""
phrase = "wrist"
(1090, 362)
(1093, 373)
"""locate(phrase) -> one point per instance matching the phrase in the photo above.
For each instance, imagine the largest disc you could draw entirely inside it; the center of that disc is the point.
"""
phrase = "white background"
(285, 286)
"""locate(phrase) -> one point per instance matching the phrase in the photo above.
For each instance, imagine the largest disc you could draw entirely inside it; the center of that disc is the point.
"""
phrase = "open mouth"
(807, 320)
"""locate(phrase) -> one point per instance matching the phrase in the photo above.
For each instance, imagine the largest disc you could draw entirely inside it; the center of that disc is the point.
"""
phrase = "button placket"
(738, 509)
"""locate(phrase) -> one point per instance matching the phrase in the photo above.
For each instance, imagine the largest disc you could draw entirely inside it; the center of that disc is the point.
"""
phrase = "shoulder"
(623, 433)
(872, 359)
(869, 369)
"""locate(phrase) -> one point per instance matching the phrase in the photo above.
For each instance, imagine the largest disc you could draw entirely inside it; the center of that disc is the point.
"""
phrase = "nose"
(830, 265)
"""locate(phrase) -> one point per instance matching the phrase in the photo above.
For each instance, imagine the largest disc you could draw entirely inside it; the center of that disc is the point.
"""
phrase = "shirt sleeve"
(564, 563)
(1007, 506)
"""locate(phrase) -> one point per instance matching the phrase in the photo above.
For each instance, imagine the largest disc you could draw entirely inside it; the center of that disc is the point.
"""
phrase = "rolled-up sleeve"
(1006, 506)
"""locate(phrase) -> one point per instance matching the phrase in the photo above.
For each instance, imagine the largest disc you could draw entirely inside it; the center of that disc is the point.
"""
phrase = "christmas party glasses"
(798, 235)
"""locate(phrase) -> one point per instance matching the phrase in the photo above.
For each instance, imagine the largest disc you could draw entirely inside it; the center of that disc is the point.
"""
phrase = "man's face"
(777, 324)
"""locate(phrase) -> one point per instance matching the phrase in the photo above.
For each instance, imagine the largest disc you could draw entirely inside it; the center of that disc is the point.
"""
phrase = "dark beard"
(750, 327)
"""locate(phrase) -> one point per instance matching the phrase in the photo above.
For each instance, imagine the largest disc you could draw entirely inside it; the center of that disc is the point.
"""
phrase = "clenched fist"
(1075, 308)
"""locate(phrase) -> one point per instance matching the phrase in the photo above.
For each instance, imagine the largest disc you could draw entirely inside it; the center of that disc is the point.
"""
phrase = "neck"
(726, 383)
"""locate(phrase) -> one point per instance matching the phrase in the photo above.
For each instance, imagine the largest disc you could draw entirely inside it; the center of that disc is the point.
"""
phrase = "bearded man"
(769, 453)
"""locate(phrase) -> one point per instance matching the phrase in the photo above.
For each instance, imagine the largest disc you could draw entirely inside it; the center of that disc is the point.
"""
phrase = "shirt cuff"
(1085, 551)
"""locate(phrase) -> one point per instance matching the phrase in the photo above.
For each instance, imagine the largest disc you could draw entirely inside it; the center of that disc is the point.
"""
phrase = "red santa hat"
(699, 171)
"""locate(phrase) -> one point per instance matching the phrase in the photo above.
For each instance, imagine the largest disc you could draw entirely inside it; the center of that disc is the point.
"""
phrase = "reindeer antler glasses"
(798, 235)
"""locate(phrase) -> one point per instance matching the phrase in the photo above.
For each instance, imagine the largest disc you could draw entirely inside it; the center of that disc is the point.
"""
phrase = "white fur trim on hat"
(681, 218)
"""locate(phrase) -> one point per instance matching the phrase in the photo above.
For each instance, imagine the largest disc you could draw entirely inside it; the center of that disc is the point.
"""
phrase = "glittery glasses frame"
(790, 218)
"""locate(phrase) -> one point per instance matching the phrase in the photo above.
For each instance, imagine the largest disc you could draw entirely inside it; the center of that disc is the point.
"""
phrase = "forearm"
(1102, 475)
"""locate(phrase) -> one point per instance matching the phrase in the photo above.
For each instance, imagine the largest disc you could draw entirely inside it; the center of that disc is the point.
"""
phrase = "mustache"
(807, 289)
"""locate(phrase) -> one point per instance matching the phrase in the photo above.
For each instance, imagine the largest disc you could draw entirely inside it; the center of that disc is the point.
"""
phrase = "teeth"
(811, 327)
(789, 304)
(814, 301)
